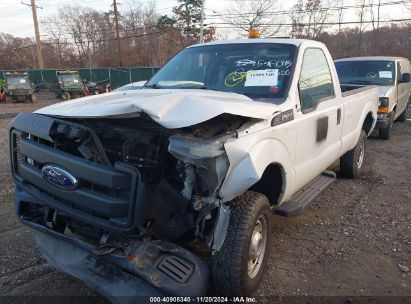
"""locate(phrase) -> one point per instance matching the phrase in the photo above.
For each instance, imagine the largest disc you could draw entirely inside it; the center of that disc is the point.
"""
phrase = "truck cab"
(391, 74)
(172, 188)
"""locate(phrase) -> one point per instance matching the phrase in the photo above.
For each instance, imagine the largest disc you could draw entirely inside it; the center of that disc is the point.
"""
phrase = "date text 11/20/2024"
(203, 300)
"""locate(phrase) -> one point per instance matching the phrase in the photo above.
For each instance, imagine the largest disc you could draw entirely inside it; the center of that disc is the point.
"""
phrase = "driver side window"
(315, 84)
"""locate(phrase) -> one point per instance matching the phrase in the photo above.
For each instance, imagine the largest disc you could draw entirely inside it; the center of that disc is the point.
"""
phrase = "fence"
(117, 76)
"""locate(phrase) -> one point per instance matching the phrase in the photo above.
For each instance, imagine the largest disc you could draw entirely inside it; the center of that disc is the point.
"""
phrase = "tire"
(96, 92)
(66, 96)
(33, 98)
(403, 116)
(386, 133)
(229, 266)
(352, 161)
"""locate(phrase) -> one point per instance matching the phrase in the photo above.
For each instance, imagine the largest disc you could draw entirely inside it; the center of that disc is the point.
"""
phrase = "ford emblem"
(59, 177)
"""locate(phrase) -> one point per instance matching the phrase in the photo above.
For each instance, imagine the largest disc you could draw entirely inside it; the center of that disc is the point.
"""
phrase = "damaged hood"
(169, 108)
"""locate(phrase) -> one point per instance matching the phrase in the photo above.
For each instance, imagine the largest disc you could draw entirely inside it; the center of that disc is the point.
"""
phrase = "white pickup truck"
(170, 190)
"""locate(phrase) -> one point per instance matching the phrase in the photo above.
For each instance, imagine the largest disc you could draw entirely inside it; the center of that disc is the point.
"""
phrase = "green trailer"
(17, 87)
(70, 85)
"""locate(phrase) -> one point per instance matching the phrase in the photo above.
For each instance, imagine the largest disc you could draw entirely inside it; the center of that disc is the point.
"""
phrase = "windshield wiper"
(198, 88)
(153, 86)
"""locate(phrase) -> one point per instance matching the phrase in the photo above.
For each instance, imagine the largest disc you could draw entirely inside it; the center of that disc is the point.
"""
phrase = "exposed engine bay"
(180, 171)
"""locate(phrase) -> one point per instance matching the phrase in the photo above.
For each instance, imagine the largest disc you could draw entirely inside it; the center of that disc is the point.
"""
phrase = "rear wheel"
(352, 161)
(238, 267)
(386, 133)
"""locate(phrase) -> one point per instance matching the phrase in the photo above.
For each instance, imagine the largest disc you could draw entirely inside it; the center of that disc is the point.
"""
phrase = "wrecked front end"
(126, 205)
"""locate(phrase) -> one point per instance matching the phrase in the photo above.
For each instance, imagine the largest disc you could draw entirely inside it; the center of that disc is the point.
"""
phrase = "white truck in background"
(170, 190)
(393, 77)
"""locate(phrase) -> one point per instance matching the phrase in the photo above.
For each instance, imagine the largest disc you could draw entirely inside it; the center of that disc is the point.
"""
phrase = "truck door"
(404, 88)
(319, 126)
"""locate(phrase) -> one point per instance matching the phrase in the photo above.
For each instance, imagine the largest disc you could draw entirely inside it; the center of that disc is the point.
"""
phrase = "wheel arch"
(369, 123)
(272, 183)
(252, 169)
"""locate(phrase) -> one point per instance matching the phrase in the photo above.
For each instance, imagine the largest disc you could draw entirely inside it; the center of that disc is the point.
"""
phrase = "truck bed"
(354, 89)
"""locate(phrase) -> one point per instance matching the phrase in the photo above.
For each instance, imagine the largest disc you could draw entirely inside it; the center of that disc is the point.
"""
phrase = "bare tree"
(340, 18)
(309, 18)
(260, 14)
(87, 30)
(55, 30)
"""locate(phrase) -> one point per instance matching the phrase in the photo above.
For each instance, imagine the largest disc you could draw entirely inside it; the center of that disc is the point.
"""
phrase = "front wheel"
(386, 132)
(238, 267)
(403, 116)
(66, 95)
(351, 162)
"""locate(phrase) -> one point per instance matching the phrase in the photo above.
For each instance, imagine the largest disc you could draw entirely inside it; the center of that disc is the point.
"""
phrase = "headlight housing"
(383, 105)
(208, 156)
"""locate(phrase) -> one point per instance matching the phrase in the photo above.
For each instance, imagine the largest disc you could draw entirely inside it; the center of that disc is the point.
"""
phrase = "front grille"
(15, 151)
(106, 191)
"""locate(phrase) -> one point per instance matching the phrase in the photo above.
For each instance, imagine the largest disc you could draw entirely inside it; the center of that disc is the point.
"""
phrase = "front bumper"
(108, 280)
(146, 268)
(383, 121)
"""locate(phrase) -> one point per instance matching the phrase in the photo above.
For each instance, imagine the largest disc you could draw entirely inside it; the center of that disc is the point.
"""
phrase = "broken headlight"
(207, 156)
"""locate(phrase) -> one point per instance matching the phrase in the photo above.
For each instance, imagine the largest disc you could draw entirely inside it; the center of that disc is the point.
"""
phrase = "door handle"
(338, 116)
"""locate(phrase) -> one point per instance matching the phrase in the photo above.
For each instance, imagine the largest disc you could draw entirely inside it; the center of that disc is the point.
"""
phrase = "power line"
(290, 11)
(310, 23)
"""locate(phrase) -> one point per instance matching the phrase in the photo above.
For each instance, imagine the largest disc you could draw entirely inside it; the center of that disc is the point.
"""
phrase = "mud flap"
(114, 283)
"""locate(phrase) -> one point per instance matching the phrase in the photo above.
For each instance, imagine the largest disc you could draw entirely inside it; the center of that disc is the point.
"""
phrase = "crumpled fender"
(248, 166)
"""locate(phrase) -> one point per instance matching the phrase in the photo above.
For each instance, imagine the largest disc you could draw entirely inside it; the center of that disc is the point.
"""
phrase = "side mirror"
(405, 78)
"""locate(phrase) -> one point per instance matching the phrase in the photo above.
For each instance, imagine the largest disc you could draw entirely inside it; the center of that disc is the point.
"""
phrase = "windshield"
(366, 72)
(257, 70)
(70, 79)
(18, 82)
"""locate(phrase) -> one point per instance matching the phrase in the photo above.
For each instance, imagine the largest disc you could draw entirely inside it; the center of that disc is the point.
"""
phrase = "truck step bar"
(303, 198)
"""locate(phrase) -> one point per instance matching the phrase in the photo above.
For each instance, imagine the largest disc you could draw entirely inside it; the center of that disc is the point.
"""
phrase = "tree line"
(84, 37)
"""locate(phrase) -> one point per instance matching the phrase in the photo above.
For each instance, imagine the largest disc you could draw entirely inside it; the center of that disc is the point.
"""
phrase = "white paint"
(293, 145)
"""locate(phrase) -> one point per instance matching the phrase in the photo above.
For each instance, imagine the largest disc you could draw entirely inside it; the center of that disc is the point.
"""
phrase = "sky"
(17, 18)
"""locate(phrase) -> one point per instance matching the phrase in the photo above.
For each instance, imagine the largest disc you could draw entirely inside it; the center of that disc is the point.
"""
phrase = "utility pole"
(202, 22)
(37, 32)
(117, 33)
(339, 25)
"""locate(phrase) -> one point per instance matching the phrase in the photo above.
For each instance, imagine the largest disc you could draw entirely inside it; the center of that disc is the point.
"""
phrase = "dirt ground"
(355, 240)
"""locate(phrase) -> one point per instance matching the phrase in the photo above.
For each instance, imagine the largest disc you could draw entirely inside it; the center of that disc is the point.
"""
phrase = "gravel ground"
(355, 240)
